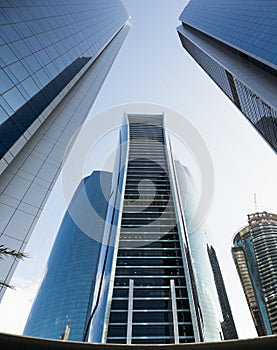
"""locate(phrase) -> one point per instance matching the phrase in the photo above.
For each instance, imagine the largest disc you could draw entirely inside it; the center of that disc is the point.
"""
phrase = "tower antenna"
(255, 202)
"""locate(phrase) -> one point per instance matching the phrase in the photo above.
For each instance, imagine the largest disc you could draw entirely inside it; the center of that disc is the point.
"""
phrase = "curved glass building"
(235, 43)
(54, 57)
(65, 296)
(255, 254)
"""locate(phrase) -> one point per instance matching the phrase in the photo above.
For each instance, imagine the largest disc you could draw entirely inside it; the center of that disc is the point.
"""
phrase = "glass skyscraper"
(54, 57)
(155, 283)
(255, 254)
(228, 324)
(235, 43)
(66, 293)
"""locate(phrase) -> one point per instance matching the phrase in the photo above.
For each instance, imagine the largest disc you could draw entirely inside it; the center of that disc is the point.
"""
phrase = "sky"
(152, 67)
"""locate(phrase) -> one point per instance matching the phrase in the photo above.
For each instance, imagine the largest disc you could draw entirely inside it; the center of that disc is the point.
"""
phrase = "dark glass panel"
(120, 305)
(141, 317)
(152, 331)
(118, 317)
(168, 340)
(120, 293)
(152, 304)
(184, 316)
(117, 331)
(185, 330)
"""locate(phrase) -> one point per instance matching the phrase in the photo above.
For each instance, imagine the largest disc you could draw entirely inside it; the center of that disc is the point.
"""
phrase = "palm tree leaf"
(4, 251)
(5, 285)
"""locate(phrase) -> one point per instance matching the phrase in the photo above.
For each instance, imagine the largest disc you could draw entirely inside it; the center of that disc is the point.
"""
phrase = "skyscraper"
(255, 254)
(235, 43)
(155, 284)
(228, 324)
(66, 293)
(54, 58)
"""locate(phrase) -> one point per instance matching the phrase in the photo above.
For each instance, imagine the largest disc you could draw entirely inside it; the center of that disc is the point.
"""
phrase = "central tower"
(150, 298)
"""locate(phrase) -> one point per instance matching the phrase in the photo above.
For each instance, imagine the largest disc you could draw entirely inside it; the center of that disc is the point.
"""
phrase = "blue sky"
(153, 67)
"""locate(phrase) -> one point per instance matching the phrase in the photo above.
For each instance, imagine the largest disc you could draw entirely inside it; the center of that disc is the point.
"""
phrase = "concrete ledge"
(9, 342)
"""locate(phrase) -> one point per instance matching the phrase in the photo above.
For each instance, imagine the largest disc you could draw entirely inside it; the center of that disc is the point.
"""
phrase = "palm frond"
(4, 251)
(5, 285)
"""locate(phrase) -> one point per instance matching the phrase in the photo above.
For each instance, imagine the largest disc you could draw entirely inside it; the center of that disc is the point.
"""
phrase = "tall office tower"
(154, 280)
(154, 292)
(255, 254)
(235, 43)
(66, 293)
(54, 58)
(228, 324)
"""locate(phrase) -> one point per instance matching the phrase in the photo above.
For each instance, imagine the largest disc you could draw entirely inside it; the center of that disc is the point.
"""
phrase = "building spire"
(255, 203)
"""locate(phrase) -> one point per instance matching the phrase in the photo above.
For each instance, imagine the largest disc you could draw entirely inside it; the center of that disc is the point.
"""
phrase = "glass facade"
(247, 25)
(161, 286)
(203, 286)
(66, 294)
(254, 252)
(150, 302)
(246, 32)
(228, 324)
(54, 58)
(43, 45)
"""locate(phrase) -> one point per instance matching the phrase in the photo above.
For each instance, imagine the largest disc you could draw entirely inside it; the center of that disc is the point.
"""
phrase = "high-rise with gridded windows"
(235, 42)
(159, 285)
(54, 57)
(255, 254)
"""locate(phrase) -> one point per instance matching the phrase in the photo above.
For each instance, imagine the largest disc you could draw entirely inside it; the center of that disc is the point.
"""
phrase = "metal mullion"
(126, 219)
(153, 310)
(144, 298)
(159, 191)
(146, 166)
(133, 177)
(174, 311)
(150, 212)
(160, 200)
(150, 185)
(150, 276)
(148, 267)
(145, 287)
(145, 144)
(145, 248)
(149, 323)
(148, 257)
(152, 234)
(129, 225)
(130, 206)
(141, 156)
(139, 148)
(145, 150)
(149, 240)
(134, 209)
(130, 311)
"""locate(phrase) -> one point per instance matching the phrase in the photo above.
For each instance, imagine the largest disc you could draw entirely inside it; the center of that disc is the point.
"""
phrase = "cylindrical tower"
(255, 254)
